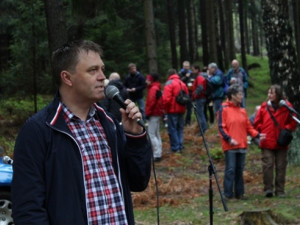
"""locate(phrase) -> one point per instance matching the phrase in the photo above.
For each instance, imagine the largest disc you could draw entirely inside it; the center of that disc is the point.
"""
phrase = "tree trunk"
(296, 13)
(212, 29)
(191, 31)
(242, 32)
(246, 30)
(222, 53)
(262, 217)
(56, 26)
(172, 34)
(204, 33)
(281, 52)
(182, 31)
(150, 36)
(254, 28)
(229, 33)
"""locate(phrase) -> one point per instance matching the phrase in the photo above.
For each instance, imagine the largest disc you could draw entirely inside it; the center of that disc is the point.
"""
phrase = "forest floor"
(183, 186)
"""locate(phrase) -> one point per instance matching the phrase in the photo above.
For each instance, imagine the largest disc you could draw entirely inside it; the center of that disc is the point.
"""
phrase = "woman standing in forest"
(270, 118)
(234, 126)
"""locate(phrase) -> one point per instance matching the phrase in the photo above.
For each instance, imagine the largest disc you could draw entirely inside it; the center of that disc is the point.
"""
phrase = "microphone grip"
(120, 101)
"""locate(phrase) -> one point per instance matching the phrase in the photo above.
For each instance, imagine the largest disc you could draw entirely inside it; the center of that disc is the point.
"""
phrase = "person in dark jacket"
(135, 84)
(109, 104)
(73, 162)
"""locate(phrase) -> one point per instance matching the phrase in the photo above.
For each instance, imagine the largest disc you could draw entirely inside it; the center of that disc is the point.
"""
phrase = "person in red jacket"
(272, 153)
(234, 126)
(154, 113)
(174, 110)
(198, 94)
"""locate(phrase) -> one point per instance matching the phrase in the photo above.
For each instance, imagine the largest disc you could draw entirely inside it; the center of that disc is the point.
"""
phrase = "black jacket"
(48, 180)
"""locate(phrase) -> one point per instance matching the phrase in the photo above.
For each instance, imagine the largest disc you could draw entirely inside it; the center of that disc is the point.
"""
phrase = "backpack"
(182, 98)
(158, 94)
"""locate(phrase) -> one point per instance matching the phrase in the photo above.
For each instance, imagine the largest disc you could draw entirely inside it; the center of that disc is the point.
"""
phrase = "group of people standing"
(208, 88)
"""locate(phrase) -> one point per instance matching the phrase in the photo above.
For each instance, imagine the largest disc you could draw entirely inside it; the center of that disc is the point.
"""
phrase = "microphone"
(283, 103)
(112, 92)
(7, 160)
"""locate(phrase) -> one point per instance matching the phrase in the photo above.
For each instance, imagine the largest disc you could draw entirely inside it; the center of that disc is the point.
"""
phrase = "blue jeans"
(217, 104)
(200, 104)
(233, 177)
(175, 131)
(141, 105)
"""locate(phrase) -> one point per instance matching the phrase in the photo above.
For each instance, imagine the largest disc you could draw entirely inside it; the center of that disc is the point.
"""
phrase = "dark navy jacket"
(48, 180)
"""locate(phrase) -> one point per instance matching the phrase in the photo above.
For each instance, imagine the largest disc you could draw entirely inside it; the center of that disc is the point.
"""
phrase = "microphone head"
(282, 102)
(111, 91)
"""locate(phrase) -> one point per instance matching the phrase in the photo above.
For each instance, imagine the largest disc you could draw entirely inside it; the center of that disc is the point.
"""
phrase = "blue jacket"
(217, 81)
(48, 181)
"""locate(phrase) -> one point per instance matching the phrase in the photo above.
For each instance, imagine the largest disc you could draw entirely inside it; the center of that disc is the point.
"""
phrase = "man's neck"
(76, 106)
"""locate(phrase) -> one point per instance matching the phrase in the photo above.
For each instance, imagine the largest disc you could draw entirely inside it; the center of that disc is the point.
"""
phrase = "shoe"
(280, 195)
(241, 197)
(228, 198)
(157, 159)
(269, 194)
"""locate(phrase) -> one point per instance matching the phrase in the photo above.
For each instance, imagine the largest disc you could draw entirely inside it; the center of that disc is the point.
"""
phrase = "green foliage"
(19, 109)
(216, 153)
(29, 48)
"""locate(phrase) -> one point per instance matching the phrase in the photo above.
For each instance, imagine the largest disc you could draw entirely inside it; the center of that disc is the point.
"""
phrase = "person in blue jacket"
(73, 162)
(217, 80)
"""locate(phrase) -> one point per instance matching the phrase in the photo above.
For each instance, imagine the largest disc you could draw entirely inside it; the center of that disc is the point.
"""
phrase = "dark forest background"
(154, 34)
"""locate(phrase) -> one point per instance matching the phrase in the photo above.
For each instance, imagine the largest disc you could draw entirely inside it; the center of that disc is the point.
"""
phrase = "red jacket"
(233, 123)
(264, 124)
(171, 90)
(199, 83)
(154, 105)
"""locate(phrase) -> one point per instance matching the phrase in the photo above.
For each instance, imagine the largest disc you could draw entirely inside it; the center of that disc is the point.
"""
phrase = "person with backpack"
(154, 113)
(199, 95)
(217, 80)
(174, 110)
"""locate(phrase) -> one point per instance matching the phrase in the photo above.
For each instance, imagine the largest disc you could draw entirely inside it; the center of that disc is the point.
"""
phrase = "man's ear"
(66, 78)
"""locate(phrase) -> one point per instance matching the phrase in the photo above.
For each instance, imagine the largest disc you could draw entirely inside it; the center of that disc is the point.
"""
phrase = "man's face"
(235, 65)
(186, 67)
(132, 69)
(211, 70)
(88, 78)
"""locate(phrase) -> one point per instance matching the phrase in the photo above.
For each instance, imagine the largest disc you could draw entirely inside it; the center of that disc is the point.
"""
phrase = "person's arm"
(221, 116)
(141, 83)
(28, 185)
(138, 161)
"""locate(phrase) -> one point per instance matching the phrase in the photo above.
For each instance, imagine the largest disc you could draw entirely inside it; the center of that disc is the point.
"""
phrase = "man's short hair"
(66, 57)
(131, 65)
(171, 71)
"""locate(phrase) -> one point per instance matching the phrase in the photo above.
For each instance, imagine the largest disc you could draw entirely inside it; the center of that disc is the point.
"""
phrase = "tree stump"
(258, 217)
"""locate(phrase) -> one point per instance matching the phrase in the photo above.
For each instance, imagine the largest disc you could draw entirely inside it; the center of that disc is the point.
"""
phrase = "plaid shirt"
(104, 201)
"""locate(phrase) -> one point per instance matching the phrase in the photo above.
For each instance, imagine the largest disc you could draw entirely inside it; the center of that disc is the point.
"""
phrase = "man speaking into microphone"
(73, 162)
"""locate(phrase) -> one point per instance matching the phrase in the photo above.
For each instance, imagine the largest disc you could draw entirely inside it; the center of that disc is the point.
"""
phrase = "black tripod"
(211, 171)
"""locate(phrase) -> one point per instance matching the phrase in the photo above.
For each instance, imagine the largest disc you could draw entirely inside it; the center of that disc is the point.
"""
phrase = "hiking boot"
(241, 197)
(269, 194)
